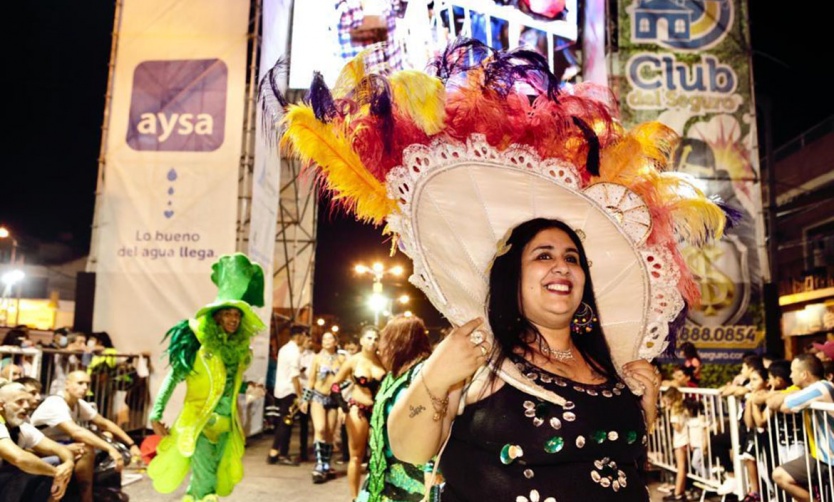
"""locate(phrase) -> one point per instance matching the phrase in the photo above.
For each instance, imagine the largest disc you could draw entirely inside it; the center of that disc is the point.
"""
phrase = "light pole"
(378, 301)
(5, 234)
(11, 278)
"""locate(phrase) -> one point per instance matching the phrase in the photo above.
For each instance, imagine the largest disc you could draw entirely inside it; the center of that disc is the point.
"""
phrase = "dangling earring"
(583, 320)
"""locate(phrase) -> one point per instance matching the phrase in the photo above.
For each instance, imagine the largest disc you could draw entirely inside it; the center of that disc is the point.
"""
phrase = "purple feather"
(382, 108)
(459, 56)
(592, 163)
(320, 99)
(674, 328)
(525, 65)
(732, 214)
(271, 99)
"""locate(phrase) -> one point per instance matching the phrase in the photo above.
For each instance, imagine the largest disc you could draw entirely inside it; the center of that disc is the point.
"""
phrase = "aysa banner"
(168, 206)
(687, 64)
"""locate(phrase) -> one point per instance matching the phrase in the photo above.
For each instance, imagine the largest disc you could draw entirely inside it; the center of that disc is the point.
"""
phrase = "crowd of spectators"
(764, 386)
(56, 440)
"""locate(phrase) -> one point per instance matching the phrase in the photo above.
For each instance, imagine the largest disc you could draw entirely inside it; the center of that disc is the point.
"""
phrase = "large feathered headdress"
(453, 158)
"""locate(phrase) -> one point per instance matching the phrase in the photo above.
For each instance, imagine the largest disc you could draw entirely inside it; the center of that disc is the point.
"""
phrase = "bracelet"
(440, 405)
(307, 394)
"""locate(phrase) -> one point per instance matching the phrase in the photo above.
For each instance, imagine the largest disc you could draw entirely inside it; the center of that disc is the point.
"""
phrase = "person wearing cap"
(825, 350)
(545, 233)
(210, 353)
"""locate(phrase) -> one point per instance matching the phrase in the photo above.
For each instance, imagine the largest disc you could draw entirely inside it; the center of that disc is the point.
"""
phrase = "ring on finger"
(483, 350)
(476, 338)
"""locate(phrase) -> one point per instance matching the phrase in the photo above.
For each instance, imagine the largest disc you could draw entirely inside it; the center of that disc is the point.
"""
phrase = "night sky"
(56, 82)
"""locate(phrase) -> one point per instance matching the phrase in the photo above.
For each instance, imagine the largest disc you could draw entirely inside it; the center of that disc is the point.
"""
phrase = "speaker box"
(85, 296)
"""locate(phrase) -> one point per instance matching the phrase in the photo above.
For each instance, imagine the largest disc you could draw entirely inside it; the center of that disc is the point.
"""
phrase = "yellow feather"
(421, 97)
(345, 175)
(638, 161)
(350, 76)
(697, 218)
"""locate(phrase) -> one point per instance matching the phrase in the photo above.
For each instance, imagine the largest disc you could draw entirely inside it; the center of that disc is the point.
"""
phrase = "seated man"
(796, 475)
(59, 416)
(24, 476)
(34, 388)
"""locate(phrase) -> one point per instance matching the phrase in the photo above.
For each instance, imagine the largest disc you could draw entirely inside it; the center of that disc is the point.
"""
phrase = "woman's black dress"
(514, 447)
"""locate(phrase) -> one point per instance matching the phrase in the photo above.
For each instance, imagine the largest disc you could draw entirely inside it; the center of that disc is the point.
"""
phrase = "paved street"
(263, 482)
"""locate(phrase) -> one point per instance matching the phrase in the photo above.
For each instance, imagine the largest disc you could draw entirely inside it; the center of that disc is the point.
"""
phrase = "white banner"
(169, 203)
(266, 178)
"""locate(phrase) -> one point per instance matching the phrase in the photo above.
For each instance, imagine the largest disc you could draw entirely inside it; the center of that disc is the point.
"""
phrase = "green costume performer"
(389, 478)
(210, 353)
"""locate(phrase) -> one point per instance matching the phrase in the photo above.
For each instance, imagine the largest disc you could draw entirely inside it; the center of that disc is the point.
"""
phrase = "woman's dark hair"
(762, 373)
(511, 328)
(406, 340)
(14, 337)
(689, 351)
(104, 339)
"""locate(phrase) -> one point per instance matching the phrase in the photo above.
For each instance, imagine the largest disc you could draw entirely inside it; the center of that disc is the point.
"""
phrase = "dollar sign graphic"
(717, 289)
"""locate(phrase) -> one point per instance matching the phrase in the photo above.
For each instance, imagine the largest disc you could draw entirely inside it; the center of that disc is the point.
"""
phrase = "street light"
(378, 302)
(11, 278)
(5, 234)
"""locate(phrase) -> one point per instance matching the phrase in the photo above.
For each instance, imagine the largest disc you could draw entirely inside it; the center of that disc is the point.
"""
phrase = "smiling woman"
(569, 248)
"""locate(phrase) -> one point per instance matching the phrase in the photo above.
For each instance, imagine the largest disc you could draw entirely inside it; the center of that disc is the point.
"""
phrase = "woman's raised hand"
(458, 356)
(648, 376)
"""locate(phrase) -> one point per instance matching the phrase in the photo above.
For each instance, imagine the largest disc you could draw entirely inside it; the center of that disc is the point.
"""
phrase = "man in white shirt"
(287, 391)
(59, 416)
(24, 476)
(795, 476)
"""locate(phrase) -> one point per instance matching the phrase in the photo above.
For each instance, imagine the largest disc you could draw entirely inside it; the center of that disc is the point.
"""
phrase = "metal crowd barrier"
(119, 383)
(786, 439)
(28, 359)
(715, 428)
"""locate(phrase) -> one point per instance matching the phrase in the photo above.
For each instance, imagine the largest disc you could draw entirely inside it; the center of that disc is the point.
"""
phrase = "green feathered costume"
(207, 437)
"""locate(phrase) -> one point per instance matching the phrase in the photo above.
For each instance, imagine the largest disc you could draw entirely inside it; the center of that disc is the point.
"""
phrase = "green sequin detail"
(509, 453)
(542, 410)
(599, 436)
(631, 437)
(554, 444)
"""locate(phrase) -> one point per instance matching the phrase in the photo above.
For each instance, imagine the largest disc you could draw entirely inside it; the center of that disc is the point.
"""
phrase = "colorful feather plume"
(355, 134)
(342, 170)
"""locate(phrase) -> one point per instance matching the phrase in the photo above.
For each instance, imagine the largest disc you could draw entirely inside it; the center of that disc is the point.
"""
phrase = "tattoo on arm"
(415, 410)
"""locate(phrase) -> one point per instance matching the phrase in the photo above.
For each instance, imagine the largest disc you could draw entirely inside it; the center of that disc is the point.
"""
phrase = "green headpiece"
(240, 284)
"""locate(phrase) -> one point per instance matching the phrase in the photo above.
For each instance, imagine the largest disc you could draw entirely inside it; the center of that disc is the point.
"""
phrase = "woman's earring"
(583, 320)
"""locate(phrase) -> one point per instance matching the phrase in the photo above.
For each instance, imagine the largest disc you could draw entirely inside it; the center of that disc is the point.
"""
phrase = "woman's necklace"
(559, 355)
